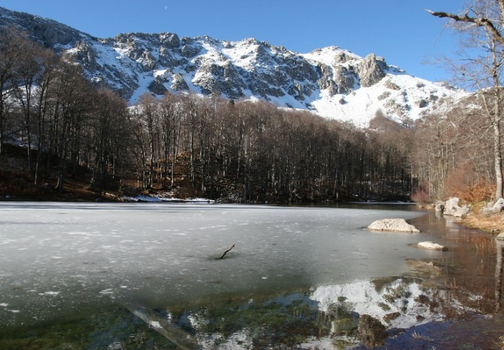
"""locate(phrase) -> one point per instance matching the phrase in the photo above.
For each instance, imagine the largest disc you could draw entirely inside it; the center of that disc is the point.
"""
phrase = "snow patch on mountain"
(400, 97)
(332, 82)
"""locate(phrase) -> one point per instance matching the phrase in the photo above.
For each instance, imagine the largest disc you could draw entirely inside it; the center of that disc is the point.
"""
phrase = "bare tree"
(12, 51)
(43, 104)
(149, 110)
(110, 116)
(29, 72)
(481, 26)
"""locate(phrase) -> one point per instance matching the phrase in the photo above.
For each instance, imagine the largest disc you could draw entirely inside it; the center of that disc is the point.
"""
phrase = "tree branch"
(227, 251)
(481, 22)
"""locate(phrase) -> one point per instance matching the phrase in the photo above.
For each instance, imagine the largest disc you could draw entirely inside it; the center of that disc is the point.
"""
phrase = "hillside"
(331, 82)
(17, 183)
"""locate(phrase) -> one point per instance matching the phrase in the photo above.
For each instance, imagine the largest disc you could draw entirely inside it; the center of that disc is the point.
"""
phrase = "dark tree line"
(187, 144)
(49, 107)
(253, 151)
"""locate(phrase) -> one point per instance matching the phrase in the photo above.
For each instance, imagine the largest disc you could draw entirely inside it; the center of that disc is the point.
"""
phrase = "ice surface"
(60, 258)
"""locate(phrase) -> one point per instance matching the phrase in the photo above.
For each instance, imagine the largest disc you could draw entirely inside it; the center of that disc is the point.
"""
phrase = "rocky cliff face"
(332, 82)
(48, 32)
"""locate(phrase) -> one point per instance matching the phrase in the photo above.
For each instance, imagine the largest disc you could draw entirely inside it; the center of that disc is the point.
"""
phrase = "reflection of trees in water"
(473, 279)
(467, 280)
(461, 283)
(468, 269)
(333, 313)
(296, 317)
(499, 267)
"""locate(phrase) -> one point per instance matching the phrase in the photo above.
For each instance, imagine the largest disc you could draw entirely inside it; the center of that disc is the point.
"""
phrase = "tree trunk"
(61, 177)
(497, 160)
(496, 123)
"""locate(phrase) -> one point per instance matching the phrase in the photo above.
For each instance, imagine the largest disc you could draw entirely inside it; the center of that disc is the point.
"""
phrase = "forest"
(62, 126)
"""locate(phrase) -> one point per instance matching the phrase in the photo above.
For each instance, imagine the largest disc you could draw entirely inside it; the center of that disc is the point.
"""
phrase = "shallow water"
(292, 274)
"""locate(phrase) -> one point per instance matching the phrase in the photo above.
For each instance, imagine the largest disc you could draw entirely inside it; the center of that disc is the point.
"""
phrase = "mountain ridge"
(331, 82)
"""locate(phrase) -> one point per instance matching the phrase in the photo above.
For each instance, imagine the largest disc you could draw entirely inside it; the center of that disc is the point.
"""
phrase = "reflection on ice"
(304, 273)
(321, 317)
(164, 252)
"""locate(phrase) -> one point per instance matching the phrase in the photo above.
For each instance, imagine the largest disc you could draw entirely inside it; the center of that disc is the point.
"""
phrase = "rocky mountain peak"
(332, 82)
(371, 70)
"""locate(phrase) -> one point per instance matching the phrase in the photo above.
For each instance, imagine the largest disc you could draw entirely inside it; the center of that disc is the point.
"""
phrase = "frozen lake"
(63, 261)
(75, 254)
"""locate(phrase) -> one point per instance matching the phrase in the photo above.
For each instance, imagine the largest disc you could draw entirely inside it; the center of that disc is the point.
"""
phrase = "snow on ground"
(164, 198)
(361, 106)
(144, 80)
(328, 54)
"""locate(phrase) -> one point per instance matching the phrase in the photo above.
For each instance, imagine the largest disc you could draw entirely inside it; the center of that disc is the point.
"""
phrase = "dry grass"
(490, 223)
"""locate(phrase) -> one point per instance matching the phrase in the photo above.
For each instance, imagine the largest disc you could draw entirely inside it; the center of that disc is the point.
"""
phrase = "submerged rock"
(394, 225)
(432, 246)
(372, 332)
(424, 268)
(346, 326)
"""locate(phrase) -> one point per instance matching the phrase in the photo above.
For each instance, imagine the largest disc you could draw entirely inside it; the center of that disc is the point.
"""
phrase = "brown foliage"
(421, 196)
(464, 182)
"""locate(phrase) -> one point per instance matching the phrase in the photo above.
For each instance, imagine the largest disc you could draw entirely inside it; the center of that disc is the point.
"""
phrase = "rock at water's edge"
(432, 246)
(452, 208)
(394, 225)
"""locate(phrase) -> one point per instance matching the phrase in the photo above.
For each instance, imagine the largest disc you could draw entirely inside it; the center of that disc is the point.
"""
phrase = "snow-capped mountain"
(331, 81)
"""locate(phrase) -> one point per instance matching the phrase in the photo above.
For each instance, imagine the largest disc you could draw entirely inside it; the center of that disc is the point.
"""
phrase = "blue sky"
(399, 30)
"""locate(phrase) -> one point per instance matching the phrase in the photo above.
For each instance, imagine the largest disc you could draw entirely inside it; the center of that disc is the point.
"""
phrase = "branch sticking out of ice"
(227, 251)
